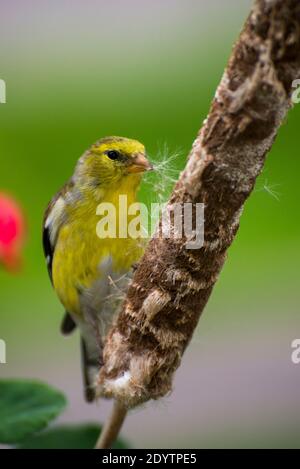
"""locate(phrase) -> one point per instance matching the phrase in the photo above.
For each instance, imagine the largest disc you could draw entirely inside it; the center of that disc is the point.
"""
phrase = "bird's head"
(111, 159)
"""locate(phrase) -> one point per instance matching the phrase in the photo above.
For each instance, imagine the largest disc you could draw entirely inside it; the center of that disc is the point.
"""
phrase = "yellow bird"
(85, 270)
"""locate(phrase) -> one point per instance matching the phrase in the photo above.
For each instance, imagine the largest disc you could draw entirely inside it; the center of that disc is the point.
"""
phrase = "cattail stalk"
(112, 427)
(172, 284)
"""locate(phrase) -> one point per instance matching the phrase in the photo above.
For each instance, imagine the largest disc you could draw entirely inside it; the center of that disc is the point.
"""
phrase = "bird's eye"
(112, 154)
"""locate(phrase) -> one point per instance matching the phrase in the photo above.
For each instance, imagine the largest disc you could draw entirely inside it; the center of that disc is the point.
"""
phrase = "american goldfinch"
(12, 233)
(83, 268)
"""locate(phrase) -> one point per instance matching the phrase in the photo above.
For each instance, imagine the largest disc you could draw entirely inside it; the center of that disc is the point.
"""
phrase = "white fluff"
(120, 383)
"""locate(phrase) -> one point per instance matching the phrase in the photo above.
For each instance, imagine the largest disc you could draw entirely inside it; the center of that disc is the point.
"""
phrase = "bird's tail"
(90, 366)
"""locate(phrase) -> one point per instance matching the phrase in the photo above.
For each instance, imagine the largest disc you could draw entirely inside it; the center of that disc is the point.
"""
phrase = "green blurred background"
(76, 71)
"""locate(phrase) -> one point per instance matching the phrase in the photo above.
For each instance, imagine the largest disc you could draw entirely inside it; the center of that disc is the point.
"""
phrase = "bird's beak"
(139, 164)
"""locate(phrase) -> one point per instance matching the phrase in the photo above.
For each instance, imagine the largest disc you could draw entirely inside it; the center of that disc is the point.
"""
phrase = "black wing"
(67, 325)
(48, 250)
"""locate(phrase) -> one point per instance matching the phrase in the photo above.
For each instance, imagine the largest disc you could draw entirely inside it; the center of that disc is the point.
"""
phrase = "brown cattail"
(172, 284)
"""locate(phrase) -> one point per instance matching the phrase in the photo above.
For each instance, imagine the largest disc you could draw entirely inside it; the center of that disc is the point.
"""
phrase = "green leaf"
(26, 407)
(68, 437)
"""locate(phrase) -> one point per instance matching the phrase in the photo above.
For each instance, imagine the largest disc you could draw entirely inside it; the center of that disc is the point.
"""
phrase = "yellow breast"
(79, 251)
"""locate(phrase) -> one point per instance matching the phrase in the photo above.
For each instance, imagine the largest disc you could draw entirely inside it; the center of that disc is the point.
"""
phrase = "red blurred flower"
(12, 233)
